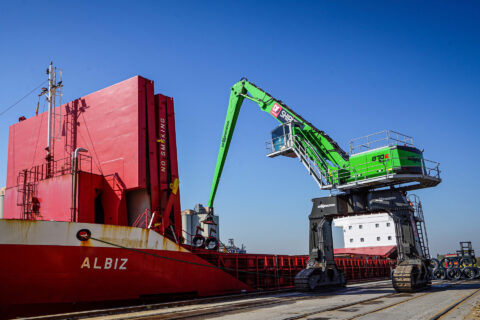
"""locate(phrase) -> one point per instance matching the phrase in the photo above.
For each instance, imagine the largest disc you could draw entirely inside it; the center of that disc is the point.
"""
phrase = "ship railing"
(144, 220)
(53, 168)
(27, 180)
(379, 139)
(200, 240)
(268, 271)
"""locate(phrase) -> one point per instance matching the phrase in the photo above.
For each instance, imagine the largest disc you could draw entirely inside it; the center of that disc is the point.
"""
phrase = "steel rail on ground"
(454, 305)
(289, 296)
(430, 291)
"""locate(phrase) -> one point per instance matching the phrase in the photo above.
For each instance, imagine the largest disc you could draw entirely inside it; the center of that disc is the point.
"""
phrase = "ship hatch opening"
(99, 212)
(138, 202)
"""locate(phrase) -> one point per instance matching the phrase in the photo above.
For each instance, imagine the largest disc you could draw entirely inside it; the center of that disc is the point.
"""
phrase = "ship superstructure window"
(362, 240)
(368, 227)
(378, 238)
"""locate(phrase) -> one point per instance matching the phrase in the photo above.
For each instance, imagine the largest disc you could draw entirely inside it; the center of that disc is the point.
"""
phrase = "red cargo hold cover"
(383, 251)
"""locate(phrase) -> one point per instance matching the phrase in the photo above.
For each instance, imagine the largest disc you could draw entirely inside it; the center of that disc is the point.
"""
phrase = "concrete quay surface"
(374, 300)
(379, 302)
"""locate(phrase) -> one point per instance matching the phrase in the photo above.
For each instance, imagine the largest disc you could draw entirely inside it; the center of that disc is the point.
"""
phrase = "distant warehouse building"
(367, 230)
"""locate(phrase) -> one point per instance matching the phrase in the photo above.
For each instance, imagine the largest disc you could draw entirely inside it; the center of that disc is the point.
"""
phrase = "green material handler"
(374, 177)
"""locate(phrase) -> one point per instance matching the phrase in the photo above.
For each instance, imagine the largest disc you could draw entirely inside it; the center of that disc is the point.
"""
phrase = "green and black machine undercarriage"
(373, 177)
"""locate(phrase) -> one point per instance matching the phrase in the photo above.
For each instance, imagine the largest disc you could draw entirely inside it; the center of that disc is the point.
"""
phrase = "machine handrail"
(390, 137)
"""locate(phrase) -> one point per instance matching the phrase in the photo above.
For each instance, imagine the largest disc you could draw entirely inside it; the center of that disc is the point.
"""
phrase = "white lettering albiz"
(120, 264)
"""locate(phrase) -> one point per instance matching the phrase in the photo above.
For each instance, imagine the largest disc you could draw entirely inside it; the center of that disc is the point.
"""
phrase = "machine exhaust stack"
(75, 156)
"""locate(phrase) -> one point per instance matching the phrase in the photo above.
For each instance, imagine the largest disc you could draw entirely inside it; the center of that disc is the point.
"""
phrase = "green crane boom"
(245, 89)
(335, 168)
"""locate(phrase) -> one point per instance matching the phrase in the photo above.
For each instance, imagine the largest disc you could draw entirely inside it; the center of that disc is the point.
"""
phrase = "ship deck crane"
(376, 178)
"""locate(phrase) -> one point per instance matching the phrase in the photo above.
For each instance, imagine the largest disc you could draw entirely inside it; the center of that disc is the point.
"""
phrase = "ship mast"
(51, 94)
(49, 147)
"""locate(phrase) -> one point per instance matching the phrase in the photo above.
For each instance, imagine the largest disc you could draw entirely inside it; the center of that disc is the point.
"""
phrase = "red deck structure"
(132, 159)
(267, 271)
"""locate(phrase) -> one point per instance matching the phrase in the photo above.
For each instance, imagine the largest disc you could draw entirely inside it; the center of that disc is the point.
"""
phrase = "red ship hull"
(126, 264)
(46, 268)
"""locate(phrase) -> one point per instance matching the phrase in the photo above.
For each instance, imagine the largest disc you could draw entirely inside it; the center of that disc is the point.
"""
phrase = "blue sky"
(349, 67)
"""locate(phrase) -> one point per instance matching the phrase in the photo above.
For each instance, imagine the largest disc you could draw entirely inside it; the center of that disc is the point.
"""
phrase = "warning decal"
(276, 110)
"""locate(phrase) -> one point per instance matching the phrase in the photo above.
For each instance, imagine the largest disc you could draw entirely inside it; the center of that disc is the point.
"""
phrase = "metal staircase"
(420, 224)
(26, 194)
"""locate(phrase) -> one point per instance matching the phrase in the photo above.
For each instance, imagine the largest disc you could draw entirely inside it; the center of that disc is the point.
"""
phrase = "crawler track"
(405, 279)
